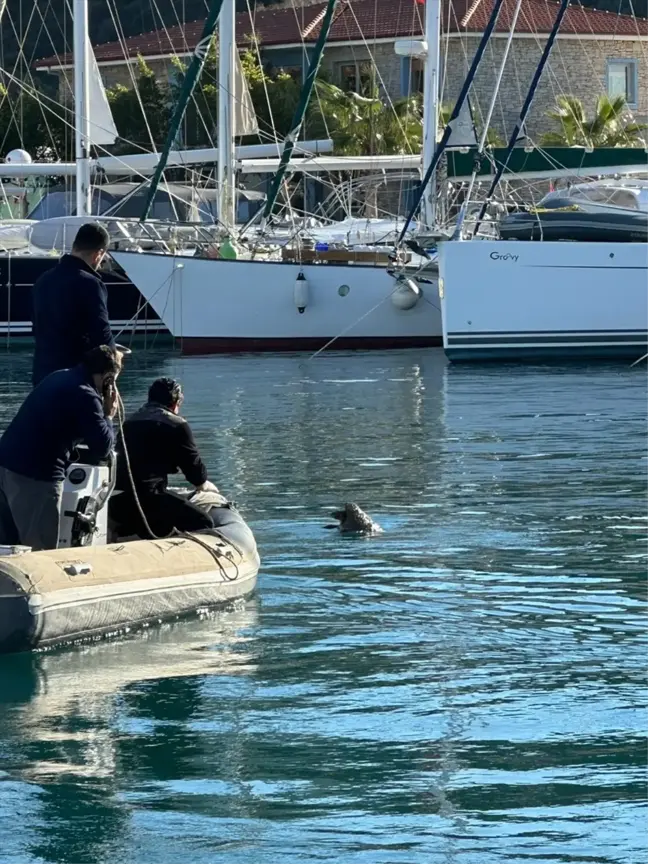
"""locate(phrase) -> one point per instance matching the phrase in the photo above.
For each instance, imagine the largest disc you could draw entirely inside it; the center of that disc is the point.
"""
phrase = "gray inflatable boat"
(84, 591)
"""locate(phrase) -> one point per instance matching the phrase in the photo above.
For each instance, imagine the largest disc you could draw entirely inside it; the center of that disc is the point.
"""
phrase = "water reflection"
(468, 687)
(85, 717)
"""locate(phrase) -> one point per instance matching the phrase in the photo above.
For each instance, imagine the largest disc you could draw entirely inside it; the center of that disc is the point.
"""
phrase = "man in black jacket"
(158, 442)
(70, 305)
(69, 406)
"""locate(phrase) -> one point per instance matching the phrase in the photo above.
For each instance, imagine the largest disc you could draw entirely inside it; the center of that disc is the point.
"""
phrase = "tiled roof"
(368, 20)
(537, 16)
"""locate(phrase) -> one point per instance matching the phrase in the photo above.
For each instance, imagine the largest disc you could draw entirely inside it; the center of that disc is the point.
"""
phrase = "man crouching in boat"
(158, 442)
(67, 407)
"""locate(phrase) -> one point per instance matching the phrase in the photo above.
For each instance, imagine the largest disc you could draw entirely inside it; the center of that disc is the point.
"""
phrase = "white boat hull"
(516, 300)
(220, 306)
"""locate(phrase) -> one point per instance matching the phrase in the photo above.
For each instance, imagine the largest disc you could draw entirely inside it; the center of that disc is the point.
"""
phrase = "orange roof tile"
(369, 20)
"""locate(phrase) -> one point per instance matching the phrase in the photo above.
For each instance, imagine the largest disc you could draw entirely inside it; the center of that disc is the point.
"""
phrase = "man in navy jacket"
(70, 305)
(68, 407)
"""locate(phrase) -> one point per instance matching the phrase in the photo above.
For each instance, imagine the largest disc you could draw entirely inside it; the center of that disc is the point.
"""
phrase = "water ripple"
(467, 688)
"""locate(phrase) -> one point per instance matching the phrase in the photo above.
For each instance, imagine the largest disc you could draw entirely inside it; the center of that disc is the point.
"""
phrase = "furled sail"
(245, 119)
(102, 125)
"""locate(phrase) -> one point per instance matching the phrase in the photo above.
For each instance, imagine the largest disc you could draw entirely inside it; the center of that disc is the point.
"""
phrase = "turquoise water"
(467, 688)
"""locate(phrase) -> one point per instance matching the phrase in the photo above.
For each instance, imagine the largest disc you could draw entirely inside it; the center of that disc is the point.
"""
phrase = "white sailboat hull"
(220, 306)
(543, 300)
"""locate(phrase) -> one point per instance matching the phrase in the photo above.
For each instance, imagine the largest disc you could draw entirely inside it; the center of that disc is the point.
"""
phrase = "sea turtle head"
(340, 515)
(353, 519)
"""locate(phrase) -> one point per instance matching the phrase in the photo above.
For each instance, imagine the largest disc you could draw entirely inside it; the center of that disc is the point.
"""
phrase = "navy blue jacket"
(59, 413)
(69, 316)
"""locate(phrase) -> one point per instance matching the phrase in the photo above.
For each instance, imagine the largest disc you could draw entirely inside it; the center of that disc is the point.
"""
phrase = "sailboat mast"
(515, 134)
(190, 79)
(226, 77)
(82, 108)
(447, 132)
(298, 117)
(431, 101)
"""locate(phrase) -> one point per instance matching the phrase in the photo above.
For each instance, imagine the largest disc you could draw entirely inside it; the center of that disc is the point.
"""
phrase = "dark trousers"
(163, 510)
(30, 511)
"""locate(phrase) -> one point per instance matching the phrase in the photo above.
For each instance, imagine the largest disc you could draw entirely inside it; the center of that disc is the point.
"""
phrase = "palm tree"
(611, 125)
(365, 125)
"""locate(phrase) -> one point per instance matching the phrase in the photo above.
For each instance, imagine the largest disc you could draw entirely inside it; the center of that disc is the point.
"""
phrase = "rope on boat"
(134, 318)
(352, 324)
(368, 312)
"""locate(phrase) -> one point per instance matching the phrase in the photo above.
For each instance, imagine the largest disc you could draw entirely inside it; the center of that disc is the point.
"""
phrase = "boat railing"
(160, 235)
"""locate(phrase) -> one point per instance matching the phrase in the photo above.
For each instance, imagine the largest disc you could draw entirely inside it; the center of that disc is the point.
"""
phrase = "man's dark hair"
(102, 361)
(91, 237)
(165, 391)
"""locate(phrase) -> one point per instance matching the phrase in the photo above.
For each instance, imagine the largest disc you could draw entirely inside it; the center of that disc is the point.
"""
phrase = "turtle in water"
(353, 520)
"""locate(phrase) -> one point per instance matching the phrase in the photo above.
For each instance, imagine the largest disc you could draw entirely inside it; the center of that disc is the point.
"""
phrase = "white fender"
(406, 294)
(301, 292)
(18, 157)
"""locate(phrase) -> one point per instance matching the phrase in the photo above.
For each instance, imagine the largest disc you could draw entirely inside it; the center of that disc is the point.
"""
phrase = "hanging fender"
(300, 293)
(406, 294)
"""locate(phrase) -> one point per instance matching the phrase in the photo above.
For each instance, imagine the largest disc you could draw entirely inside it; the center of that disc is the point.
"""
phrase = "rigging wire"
(112, 8)
(185, 535)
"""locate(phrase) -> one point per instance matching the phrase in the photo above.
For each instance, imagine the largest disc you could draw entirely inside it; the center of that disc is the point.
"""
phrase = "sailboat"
(30, 246)
(568, 287)
(357, 298)
(352, 298)
(306, 299)
(23, 259)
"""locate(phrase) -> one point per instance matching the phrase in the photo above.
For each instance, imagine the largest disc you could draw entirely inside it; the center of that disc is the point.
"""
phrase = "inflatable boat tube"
(62, 595)
(572, 223)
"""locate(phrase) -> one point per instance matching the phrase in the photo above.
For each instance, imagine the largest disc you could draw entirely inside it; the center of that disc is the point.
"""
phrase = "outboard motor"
(84, 511)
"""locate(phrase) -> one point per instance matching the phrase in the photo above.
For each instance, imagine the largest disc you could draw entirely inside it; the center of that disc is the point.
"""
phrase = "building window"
(357, 78)
(412, 76)
(417, 75)
(622, 80)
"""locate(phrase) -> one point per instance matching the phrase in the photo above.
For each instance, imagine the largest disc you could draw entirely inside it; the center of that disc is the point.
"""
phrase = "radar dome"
(18, 157)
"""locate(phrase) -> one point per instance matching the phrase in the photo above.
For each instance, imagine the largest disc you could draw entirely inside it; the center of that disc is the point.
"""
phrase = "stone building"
(596, 52)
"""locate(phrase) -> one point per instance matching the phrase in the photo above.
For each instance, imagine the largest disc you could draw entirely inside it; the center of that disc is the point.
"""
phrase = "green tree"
(358, 125)
(274, 97)
(611, 125)
(32, 122)
(140, 112)
(365, 125)
(200, 121)
(274, 94)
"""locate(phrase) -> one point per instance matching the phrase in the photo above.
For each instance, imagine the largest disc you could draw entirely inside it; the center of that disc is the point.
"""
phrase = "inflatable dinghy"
(567, 221)
(85, 589)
